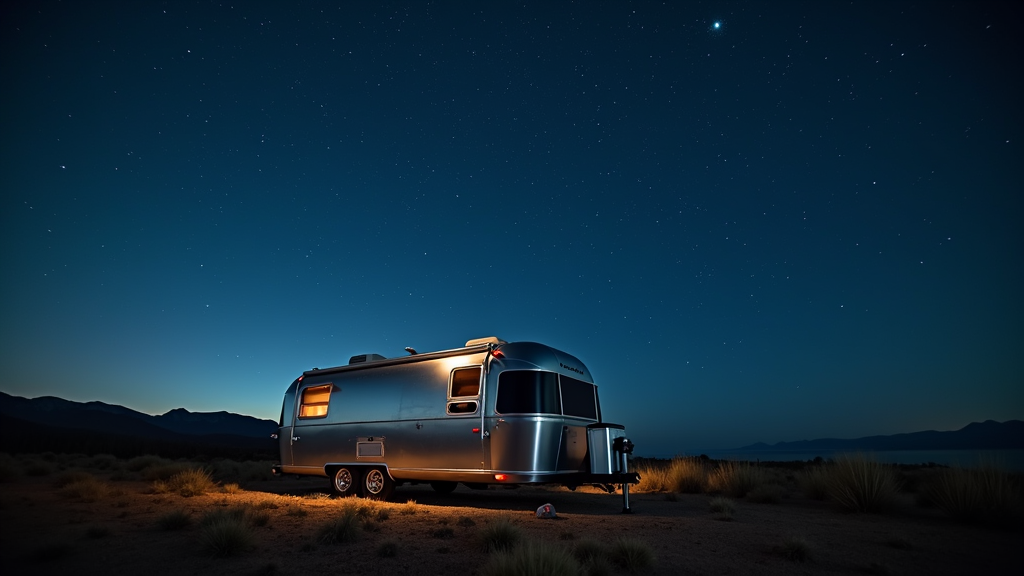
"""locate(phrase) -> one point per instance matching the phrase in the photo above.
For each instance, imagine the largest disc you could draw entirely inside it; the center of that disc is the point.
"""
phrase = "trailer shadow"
(583, 501)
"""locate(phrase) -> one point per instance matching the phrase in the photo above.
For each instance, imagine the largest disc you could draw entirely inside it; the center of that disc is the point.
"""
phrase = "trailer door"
(462, 436)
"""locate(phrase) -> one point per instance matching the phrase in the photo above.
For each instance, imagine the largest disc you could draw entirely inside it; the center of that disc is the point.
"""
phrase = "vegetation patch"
(859, 484)
(387, 549)
(535, 559)
(345, 528)
(735, 479)
(226, 536)
(724, 508)
(500, 535)
(984, 494)
(87, 489)
(795, 549)
(631, 554)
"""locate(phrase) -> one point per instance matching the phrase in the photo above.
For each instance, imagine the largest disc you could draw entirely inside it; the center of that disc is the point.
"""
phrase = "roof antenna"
(410, 350)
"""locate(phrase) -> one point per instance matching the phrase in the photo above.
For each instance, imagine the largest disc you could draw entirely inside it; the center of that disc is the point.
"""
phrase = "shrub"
(631, 554)
(536, 559)
(813, 482)
(686, 475)
(226, 536)
(175, 520)
(140, 463)
(344, 528)
(387, 549)
(38, 469)
(795, 549)
(500, 535)
(465, 522)
(86, 489)
(973, 495)
(443, 533)
(735, 479)
(410, 508)
(858, 484)
(589, 551)
(723, 507)
(191, 482)
(103, 462)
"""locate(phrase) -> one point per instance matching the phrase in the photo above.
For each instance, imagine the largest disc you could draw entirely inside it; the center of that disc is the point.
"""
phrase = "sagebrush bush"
(859, 484)
(535, 559)
(973, 495)
(500, 534)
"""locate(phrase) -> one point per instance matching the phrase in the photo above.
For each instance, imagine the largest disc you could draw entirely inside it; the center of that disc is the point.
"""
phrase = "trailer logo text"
(571, 368)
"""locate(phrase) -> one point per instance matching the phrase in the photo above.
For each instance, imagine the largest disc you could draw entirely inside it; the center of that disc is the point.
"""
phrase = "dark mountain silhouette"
(987, 435)
(58, 425)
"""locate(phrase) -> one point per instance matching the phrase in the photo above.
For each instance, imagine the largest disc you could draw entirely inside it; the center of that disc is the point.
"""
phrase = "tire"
(442, 487)
(377, 484)
(345, 481)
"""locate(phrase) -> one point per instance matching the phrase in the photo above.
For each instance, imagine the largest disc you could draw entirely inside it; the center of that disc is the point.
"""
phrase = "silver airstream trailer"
(492, 412)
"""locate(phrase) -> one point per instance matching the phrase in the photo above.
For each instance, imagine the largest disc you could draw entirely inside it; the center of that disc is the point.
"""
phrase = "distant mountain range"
(987, 435)
(57, 425)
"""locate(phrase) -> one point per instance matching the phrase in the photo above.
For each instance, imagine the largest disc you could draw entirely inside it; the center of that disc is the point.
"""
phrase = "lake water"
(1010, 460)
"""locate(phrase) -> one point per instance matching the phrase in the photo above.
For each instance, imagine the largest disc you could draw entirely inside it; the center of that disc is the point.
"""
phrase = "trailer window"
(314, 401)
(465, 382)
(527, 392)
(578, 398)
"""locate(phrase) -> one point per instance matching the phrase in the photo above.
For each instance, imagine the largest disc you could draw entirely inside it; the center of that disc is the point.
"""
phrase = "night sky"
(803, 222)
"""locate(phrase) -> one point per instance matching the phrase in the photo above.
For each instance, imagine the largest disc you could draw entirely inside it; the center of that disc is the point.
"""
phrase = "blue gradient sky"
(806, 223)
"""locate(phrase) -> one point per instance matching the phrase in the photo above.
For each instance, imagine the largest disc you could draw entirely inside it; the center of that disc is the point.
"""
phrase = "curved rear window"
(528, 392)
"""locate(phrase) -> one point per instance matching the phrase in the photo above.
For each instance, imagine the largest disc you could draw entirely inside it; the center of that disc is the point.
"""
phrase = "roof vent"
(363, 358)
(489, 340)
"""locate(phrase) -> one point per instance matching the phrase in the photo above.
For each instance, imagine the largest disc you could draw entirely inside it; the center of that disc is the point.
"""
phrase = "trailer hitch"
(624, 447)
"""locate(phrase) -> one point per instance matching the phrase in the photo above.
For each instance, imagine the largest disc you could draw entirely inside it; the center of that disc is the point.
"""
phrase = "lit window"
(315, 401)
(465, 382)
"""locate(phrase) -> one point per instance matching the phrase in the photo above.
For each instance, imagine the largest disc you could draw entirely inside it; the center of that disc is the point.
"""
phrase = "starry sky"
(802, 222)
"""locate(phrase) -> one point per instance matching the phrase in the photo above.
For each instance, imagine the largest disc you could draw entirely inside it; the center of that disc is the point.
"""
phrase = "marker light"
(498, 354)
(500, 477)
(476, 430)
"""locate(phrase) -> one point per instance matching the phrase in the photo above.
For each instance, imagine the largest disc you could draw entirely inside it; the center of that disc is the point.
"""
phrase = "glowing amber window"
(314, 401)
(465, 382)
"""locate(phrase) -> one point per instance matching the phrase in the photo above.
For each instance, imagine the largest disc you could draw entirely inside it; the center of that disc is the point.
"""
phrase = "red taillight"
(476, 430)
(500, 477)
(498, 354)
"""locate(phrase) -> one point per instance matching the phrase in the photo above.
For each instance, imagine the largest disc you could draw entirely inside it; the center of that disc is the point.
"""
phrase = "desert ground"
(129, 524)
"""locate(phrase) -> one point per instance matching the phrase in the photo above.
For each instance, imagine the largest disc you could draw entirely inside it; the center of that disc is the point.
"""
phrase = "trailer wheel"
(377, 484)
(345, 481)
(442, 487)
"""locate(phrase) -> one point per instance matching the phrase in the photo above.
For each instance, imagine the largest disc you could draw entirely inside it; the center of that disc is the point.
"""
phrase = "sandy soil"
(46, 533)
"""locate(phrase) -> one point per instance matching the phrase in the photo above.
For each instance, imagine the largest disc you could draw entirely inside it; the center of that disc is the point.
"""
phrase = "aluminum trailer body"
(491, 412)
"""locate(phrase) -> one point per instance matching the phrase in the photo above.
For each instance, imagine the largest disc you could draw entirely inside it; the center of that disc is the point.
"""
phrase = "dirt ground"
(44, 532)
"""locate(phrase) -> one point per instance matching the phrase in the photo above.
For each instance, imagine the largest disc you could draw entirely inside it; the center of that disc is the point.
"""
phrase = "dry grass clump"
(187, 483)
(535, 559)
(226, 534)
(687, 475)
(345, 528)
(387, 549)
(501, 534)
(723, 507)
(84, 487)
(794, 548)
(735, 479)
(859, 484)
(631, 554)
(976, 495)
(813, 481)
